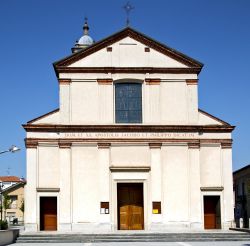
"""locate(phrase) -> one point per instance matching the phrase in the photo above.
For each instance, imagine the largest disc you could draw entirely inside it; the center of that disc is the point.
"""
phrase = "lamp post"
(12, 149)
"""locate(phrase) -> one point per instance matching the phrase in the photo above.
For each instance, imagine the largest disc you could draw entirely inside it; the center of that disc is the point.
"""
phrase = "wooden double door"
(212, 215)
(130, 206)
(48, 213)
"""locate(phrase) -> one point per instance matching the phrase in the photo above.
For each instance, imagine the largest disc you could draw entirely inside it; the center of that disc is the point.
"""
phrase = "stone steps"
(137, 237)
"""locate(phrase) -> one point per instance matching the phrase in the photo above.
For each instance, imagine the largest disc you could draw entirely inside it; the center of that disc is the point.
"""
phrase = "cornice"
(106, 142)
(194, 145)
(132, 70)
(127, 128)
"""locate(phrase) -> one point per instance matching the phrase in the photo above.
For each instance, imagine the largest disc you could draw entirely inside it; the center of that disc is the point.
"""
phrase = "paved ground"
(140, 244)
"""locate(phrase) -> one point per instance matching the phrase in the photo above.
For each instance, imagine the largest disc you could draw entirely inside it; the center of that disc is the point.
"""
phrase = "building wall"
(88, 179)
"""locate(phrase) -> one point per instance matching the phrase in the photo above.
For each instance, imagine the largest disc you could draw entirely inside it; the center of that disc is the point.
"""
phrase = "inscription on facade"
(125, 135)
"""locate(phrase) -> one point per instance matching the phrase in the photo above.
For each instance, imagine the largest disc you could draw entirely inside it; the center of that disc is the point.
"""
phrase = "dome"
(85, 40)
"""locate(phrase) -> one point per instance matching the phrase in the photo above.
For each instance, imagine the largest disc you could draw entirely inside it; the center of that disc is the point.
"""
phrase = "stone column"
(30, 195)
(65, 196)
(104, 182)
(226, 149)
(65, 100)
(156, 181)
(195, 214)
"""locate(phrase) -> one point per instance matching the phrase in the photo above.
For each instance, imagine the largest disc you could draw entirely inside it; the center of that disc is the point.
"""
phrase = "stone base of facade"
(30, 227)
(64, 227)
(175, 226)
(92, 227)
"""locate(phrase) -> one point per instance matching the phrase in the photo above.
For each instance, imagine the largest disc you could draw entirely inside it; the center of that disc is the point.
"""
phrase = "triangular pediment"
(128, 48)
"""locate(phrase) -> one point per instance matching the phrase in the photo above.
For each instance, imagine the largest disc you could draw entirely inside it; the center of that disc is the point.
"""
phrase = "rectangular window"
(128, 103)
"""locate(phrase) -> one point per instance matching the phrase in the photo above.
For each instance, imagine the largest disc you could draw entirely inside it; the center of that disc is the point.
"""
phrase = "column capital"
(194, 145)
(192, 81)
(64, 145)
(153, 81)
(103, 145)
(226, 145)
(64, 81)
(155, 145)
(105, 81)
(31, 143)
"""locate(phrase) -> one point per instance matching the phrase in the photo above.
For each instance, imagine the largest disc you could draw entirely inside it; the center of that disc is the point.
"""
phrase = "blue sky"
(34, 34)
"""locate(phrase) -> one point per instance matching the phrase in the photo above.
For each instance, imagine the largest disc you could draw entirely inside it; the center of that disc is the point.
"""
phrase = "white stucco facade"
(79, 153)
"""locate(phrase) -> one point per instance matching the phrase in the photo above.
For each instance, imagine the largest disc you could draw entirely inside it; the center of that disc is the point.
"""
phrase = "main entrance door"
(212, 217)
(48, 213)
(130, 206)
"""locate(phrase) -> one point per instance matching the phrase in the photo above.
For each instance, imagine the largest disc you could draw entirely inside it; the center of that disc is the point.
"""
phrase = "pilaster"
(30, 215)
(64, 89)
(65, 196)
(226, 150)
(195, 213)
(156, 178)
(104, 178)
(192, 97)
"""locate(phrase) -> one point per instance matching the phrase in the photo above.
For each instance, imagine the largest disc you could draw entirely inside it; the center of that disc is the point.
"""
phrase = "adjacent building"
(128, 148)
(15, 210)
(241, 180)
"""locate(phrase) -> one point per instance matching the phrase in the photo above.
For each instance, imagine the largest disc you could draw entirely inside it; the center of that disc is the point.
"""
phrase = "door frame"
(47, 194)
(135, 178)
(213, 193)
(118, 217)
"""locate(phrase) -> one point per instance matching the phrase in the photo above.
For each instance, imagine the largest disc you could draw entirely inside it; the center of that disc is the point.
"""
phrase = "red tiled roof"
(10, 179)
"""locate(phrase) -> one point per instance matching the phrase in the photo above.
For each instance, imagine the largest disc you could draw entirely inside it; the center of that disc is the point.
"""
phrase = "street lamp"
(12, 149)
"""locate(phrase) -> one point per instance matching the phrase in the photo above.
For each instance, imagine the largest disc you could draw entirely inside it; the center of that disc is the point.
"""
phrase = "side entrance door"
(48, 213)
(212, 216)
(130, 206)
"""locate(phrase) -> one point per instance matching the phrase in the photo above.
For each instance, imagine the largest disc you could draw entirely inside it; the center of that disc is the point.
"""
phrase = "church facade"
(128, 148)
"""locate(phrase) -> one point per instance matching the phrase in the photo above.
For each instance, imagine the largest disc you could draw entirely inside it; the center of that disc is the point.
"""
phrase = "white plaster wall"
(84, 102)
(130, 156)
(210, 165)
(48, 166)
(85, 190)
(50, 119)
(173, 100)
(127, 53)
(175, 205)
(206, 120)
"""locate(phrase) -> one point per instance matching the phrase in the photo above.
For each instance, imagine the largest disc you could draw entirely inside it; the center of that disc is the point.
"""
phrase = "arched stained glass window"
(128, 103)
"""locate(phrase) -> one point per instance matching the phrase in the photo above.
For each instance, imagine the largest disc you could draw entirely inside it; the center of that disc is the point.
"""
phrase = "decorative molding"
(155, 81)
(104, 142)
(64, 144)
(130, 169)
(103, 145)
(132, 70)
(127, 128)
(212, 188)
(105, 81)
(64, 81)
(155, 145)
(48, 189)
(192, 81)
(194, 145)
(226, 145)
(109, 49)
(147, 49)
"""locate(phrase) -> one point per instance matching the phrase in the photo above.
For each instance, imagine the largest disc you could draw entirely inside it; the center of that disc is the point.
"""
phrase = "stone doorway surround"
(129, 175)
